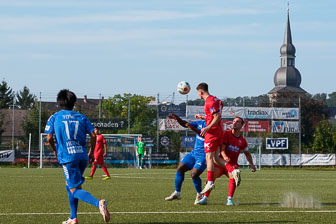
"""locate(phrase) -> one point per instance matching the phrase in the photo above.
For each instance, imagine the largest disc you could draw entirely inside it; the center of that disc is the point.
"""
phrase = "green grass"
(259, 197)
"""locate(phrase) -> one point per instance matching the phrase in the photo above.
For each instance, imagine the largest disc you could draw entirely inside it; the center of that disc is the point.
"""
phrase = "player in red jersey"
(233, 143)
(213, 131)
(99, 154)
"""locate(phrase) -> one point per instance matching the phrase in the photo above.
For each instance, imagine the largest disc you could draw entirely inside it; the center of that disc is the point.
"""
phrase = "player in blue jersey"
(194, 161)
(70, 128)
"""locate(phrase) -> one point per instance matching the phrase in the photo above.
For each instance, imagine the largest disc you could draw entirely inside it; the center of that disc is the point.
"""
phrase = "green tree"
(6, 95)
(324, 137)
(142, 116)
(31, 124)
(331, 101)
(1, 126)
(25, 99)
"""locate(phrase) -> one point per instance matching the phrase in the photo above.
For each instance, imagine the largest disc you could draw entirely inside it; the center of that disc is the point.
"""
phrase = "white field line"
(166, 212)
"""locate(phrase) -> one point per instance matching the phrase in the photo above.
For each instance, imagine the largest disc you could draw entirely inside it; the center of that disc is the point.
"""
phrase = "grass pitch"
(137, 196)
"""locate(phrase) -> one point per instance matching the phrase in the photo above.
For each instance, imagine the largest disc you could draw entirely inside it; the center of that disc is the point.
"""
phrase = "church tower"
(287, 78)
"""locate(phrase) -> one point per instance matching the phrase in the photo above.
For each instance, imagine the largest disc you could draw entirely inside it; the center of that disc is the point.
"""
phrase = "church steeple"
(287, 78)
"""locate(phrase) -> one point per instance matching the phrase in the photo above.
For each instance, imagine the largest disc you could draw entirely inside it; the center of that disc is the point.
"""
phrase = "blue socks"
(86, 197)
(198, 184)
(73, 203)
(179, 178)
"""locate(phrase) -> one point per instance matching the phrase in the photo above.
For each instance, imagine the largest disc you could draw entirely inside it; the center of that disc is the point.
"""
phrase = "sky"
(147, 46)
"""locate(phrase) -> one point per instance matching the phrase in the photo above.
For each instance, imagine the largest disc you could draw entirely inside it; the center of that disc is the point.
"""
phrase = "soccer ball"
(183, 87)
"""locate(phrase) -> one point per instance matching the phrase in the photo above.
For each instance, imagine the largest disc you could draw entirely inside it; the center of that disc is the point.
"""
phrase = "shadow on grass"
(274, 221)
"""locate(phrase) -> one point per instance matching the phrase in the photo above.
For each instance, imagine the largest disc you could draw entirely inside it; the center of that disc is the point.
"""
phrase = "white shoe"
(236, 176)
(70, 221)
(208, 187)
(203, 201)
(198, 198)
(140, 168)
(103, 210)
(173, 196)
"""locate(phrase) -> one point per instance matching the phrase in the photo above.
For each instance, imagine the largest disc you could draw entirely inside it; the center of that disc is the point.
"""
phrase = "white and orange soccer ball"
(183, 87)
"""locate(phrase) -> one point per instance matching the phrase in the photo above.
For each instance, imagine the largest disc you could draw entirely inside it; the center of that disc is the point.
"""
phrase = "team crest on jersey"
(206, 145)
(233, 148)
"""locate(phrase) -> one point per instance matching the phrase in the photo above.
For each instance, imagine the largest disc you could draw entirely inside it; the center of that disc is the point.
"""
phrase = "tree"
(6, 95)
(142, 116)
(1, 125)
(324, 137)
(31, 124)
(331, 101)
(25, 99)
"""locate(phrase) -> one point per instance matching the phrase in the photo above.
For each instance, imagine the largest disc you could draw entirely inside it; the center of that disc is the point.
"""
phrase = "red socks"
(93, 171)
(211, 175)
(105, 171)
(229, 167)
(232, 187)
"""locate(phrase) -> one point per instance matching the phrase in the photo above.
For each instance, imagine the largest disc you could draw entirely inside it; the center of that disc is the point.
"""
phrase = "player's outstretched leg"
(103, 210)
(70, 221)
(176, 195)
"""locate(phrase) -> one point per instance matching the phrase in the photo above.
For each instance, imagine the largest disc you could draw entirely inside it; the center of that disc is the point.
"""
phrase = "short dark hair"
(203, 86)
(241, 119)
(96, 127)
(66, 99)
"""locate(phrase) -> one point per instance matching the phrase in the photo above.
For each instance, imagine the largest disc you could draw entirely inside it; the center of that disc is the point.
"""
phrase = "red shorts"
(219, 171)
(212, 144)
(99, 160)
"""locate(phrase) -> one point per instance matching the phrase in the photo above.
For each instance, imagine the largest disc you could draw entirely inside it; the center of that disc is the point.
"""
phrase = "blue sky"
(146, 47)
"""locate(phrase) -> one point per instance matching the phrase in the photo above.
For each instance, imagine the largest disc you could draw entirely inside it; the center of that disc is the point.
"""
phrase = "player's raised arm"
(184, 123)
(199, 116)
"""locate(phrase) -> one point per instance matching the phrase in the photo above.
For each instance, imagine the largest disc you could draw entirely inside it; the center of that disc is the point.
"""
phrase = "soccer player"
(141, 150)
(99, 155)
(213, 131)
(194, 161)
(70, 129)
(233, 143)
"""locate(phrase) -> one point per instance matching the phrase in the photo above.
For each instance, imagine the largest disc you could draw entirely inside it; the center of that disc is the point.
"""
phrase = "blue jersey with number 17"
(199, 143)
(70, 129)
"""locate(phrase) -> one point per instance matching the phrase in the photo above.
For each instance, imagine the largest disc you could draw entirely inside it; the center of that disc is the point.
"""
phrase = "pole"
(99, 107)
(29, 146)
(129, 113)
(13, 125)
(272, 135)
(40, 145)
(157, 123)
(300, 154)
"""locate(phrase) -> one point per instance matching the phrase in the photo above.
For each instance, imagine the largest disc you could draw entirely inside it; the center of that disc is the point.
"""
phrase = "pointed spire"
(288, 34)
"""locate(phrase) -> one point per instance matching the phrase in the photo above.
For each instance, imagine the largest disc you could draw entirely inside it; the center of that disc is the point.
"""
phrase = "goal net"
(254, 146)
(121, 151)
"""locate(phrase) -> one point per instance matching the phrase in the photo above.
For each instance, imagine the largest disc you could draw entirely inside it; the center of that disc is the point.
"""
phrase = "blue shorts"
(193, 160)
(73, 172)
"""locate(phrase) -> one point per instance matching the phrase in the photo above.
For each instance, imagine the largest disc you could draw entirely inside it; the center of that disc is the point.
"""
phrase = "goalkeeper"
(194, 161)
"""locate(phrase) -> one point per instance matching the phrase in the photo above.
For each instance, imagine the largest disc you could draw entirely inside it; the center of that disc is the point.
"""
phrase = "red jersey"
(233, 146)
(213, 105)
(99, 145)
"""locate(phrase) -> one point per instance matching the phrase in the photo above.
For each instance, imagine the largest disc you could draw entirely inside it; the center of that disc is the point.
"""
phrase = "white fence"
(288, 159)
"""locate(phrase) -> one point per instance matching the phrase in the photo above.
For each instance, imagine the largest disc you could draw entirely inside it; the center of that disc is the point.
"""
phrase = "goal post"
(121, 151)
(254, 145)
